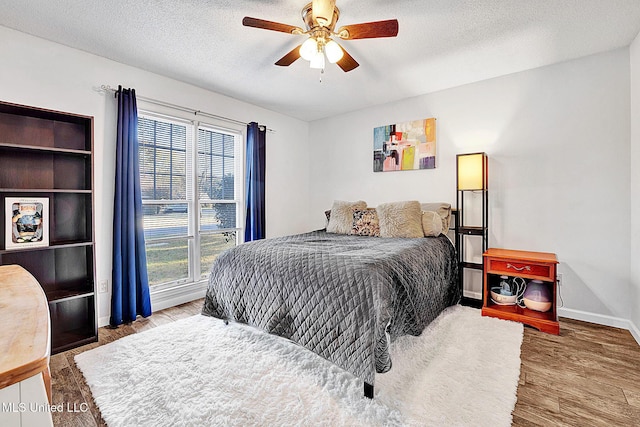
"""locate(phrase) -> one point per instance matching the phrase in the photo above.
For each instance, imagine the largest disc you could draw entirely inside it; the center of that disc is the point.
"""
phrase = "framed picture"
(405, 146)
(26, 222)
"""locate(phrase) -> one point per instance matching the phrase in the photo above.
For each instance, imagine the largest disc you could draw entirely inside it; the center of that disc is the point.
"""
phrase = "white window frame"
(238, 191)
(176, 292)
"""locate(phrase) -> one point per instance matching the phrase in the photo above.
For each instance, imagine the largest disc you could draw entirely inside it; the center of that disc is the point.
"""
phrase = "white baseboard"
(601, 319)
(170, 297)
(471, 294)
(103, 321)
(635, 331)
(177, 295)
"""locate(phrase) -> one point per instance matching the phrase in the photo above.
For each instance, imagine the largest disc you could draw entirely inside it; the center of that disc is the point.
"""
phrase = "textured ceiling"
(440, 44)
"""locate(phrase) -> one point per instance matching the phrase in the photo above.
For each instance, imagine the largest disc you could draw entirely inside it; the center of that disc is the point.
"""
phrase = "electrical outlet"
(103, 286)
(559, 279)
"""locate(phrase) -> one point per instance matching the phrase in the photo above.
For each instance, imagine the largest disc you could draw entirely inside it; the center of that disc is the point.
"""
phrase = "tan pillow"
(442, 209)
(400, 219)
(431, 223)
(341, 218)
(365, 223)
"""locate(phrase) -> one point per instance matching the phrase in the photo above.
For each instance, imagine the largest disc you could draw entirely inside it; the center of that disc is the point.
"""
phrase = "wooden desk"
(25, 342)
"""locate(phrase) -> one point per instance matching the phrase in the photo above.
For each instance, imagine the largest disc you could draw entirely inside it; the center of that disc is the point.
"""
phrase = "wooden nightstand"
(528, 266)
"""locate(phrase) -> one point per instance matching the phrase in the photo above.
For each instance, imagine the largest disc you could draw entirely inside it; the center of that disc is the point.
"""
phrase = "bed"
(344, 297)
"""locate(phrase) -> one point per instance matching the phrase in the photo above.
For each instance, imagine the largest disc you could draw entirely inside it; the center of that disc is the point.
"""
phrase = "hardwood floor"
(587, 376)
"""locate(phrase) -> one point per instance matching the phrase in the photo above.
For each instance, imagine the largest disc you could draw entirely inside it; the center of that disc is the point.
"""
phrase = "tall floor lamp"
(471, 176)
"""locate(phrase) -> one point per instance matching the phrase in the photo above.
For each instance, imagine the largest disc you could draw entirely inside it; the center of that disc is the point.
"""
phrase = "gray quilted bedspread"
(343, 297)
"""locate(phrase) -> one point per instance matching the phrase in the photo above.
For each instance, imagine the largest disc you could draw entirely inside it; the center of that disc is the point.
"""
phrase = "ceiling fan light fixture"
(333, 51)
(317, 61)
(309, 49)
(320, 18)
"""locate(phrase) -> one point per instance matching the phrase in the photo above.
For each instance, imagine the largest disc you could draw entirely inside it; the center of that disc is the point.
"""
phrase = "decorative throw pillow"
(341, 218)
(365, 223)
(431, 223)
(400, 219)
(442, 209)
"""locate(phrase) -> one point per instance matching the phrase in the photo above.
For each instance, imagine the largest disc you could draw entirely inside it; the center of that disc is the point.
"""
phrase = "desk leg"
(46, 377)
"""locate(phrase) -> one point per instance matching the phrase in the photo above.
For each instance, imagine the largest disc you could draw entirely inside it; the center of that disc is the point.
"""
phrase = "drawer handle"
(526, 267)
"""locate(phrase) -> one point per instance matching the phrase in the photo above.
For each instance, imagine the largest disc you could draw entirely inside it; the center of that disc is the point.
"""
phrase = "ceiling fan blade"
(369, 30)
(290, 57)
(347, 63)
(322, 11)
(270, 25)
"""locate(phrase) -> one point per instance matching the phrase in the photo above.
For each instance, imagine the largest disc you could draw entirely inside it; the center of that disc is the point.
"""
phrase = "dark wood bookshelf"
(25, 147)
(67, 294)
(49, 154)
(40, 190)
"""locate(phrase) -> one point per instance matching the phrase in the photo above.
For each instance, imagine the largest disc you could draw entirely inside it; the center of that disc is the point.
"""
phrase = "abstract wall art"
(405, 146)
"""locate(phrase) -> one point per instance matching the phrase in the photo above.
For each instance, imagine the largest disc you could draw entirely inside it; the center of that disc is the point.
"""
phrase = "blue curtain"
(130, 295)
(255, 173)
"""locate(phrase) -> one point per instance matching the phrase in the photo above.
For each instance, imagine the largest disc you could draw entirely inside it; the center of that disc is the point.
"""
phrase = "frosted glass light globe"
(317, 61)
(309, 49)
(334, 51)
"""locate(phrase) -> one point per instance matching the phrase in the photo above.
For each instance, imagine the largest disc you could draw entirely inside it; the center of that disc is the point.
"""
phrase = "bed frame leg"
(368, 390)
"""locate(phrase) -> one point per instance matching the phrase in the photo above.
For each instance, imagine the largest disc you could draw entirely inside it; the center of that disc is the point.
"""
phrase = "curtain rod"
(107, 88)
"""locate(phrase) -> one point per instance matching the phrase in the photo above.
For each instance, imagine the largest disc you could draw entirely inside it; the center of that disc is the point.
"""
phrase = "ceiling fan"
(320, 18)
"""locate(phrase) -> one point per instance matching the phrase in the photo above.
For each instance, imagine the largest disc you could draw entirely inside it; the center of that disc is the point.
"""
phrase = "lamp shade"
(472, 171)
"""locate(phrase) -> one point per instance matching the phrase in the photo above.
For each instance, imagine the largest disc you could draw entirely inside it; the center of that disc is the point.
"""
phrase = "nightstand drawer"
(522, 268)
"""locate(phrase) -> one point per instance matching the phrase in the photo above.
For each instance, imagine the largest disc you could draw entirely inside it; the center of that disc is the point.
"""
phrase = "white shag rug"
(462, 371)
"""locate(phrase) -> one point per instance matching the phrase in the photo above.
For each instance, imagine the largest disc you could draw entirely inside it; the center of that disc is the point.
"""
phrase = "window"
(191, 184)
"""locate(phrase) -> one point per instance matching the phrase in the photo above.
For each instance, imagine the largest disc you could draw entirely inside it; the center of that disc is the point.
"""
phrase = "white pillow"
(431, 223)
(400, 219)
(341, 218)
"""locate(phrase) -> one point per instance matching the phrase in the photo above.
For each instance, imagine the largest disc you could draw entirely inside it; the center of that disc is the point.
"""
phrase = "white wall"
(49, 75)
(558, 144)
(635, 186)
